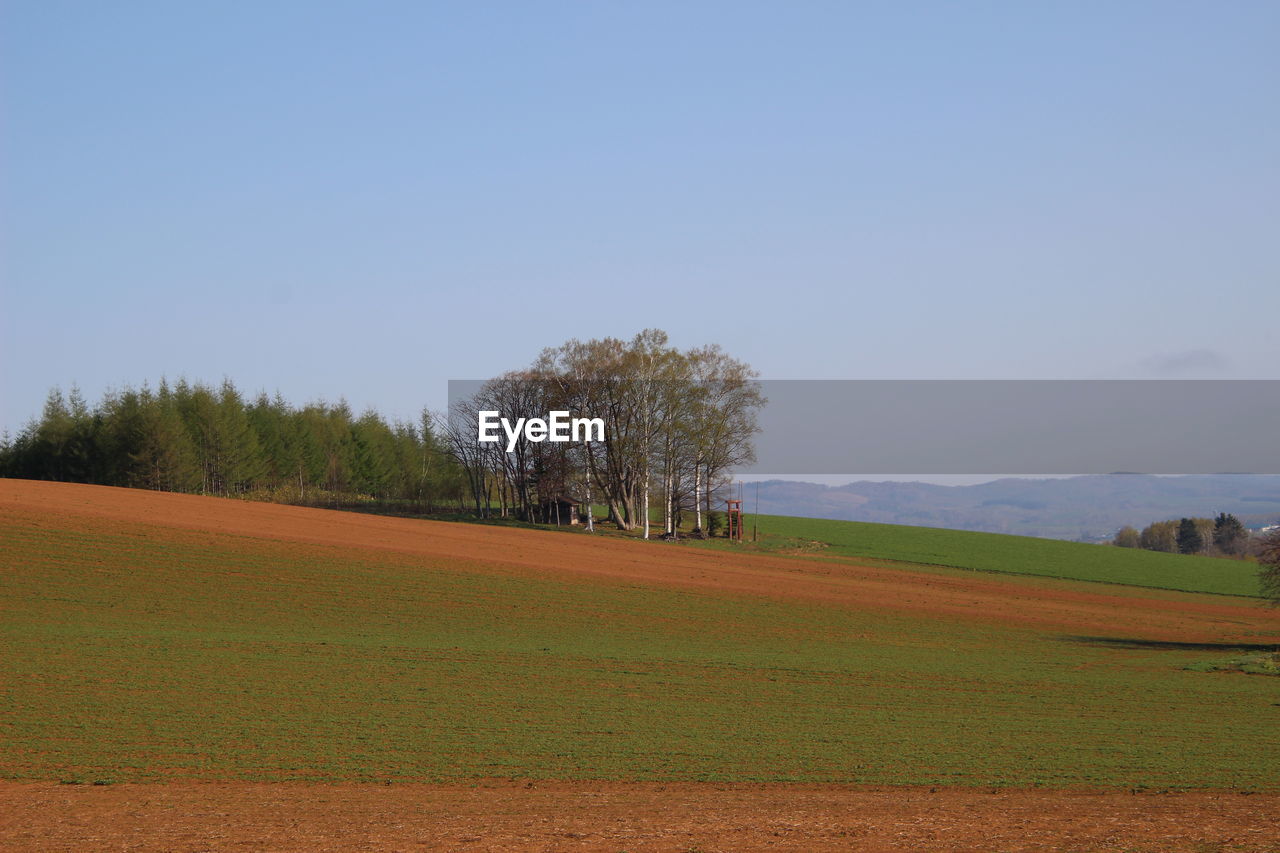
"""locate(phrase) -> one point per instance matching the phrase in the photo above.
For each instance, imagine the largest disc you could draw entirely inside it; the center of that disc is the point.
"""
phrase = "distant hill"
(1087, 508)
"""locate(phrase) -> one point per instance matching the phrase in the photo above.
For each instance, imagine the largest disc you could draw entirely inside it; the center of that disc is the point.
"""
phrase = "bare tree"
(725, 418)
(461, 443)
(675, 423)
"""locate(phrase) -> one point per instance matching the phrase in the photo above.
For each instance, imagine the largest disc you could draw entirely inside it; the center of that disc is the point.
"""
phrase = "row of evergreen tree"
(193, 437)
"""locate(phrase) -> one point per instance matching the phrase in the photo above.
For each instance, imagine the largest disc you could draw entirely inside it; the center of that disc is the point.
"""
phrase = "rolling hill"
(148, 636)
(1019, 555)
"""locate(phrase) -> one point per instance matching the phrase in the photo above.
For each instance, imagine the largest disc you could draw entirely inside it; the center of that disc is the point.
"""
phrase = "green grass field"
(1021, 555)
(147, 653)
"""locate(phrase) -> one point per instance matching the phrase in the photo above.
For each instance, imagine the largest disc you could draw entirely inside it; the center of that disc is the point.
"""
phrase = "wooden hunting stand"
(734, 513)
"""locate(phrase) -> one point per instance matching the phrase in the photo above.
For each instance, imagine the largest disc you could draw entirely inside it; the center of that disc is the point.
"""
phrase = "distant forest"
(192, 437)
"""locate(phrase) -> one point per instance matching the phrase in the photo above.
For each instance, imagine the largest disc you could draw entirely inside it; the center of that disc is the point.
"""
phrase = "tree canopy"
(193, 437)
(676, 422)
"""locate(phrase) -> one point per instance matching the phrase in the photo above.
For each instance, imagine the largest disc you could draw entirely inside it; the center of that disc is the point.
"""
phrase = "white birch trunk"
(697, 496)
(645, 501)
(666, 485)
(671, 504)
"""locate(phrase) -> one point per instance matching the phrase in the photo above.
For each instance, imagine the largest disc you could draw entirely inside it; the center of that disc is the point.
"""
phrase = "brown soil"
(1073, 608)
(615, 817)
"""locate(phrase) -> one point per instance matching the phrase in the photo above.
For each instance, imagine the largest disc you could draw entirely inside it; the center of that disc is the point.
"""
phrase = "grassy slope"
(138, 652)
(1020, 555)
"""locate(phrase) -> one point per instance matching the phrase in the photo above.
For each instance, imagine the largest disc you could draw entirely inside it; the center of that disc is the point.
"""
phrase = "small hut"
(564, 509)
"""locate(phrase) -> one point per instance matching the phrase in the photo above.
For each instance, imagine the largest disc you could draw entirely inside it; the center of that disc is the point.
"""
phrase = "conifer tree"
(1190, 540)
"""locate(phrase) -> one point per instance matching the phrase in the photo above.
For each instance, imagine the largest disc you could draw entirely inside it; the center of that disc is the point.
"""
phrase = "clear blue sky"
(367, 199)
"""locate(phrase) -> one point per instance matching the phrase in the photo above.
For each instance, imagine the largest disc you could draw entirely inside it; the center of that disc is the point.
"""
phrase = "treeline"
(675, 423)
(192, 437)
(1223, 536)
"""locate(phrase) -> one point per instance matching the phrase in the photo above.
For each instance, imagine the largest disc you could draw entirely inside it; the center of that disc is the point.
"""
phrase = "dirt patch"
(613, 817)
(797, 547)
(1069, 607)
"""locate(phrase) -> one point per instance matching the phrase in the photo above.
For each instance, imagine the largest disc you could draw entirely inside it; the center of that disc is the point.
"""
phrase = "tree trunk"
(617, 515)
(645, 507)
(697, 496)
(666, 509)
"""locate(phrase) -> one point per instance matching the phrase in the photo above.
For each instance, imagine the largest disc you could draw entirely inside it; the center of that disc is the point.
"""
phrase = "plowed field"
(233, 672)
